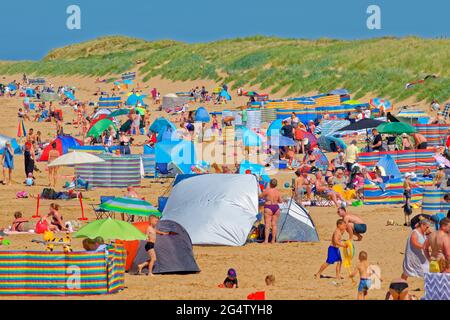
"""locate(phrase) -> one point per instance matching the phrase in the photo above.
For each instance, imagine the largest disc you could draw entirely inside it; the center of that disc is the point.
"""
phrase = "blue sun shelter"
(202, 115)
(274, 128)
(135, 99)
(178, 153)
(14, 145)
(164, 129)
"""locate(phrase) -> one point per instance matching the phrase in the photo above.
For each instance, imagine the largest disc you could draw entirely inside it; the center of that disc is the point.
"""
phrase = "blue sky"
(37, 26)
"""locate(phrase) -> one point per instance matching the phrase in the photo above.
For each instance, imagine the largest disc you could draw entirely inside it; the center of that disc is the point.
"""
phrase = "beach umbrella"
(110, 229)
(21, 131)
(379, 103)
(281, 141)
(69, 95)
(119, 112)
(202, 115)
(363, 124)
(97, 129)
(132, 206)
(396, 128)
(141, 111)
(250, 138)
(73, 158)
(275, 127)
(101, 112)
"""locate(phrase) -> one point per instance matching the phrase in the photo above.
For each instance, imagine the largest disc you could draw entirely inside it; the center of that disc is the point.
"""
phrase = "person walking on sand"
(272, 199)
(334, 254)
(415, 263)
(355, 225)
(437, 248)
(362, 268)
(8, 162)
(52, 171)
(150, 245)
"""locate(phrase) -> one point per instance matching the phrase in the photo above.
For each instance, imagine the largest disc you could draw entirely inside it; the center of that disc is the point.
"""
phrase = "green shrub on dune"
(380, 66)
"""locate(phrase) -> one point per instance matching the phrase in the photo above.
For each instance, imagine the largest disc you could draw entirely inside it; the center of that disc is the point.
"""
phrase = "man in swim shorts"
(355, 225)
(272, 199)
(334, 254)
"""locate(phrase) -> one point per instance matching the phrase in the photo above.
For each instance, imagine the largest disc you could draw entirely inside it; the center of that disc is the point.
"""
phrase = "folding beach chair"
(163, 172)
(100, 213)
(321, 199)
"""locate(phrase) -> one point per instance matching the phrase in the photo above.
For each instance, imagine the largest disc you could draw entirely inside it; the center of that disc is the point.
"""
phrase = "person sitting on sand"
(54, 219)
(272, 199)
(332, 195)
(362, 269)
(399, 290)
(334, 254)
(231, 281)
(303, 179)
(150, 245)
(21, 224)
(355, 225)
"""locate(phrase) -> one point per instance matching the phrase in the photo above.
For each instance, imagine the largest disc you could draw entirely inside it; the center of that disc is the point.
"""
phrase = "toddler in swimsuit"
(364, 281)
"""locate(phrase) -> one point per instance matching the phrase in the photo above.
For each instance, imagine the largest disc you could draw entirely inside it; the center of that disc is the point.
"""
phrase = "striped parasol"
(132, 206)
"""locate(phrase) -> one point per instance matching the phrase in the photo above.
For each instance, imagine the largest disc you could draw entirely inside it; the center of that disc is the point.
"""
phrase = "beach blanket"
(437, 286)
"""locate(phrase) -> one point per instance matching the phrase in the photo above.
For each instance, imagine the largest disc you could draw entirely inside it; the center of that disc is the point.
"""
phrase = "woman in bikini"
(54, 219)
(272, 199)
(321, 187)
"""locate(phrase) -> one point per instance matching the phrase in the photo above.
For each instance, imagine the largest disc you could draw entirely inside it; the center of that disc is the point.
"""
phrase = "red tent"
(63, 144)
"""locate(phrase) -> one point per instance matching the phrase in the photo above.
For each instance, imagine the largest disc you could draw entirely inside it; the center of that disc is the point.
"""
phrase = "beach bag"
(21, 195)
(49, 193)
(41, 226)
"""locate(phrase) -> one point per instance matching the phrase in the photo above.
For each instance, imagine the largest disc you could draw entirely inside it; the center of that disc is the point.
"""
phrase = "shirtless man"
(355, 225)
(272, 198)
(437, 247)
(150, 245)
(420, 142)
(303, 180)
(334, 254)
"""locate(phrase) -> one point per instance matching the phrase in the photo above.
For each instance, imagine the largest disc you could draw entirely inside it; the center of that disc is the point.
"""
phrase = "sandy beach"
(292, 264)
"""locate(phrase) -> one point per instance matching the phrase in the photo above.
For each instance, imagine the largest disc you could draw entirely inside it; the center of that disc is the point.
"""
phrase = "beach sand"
(292, 264)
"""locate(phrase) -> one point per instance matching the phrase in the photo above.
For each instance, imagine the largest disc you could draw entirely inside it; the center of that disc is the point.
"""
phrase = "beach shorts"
(360, 228)
(149, 246)
(407, 194)
(364, 285)
(423, 145)
(334, 255)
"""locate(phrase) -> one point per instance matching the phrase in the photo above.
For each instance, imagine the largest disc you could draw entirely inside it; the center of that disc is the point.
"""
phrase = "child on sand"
(334, 254)
(21, 224)
(364, 281)
(231, 281)
(150, 245)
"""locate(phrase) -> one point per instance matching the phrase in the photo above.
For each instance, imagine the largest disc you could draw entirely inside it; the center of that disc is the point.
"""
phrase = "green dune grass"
(380, 66)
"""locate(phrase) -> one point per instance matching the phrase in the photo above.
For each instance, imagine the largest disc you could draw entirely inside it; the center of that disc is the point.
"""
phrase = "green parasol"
(110, 229)
(396, 128)
(97, 129)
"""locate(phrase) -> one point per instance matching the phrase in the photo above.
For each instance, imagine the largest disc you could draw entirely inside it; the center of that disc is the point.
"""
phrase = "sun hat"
(404, 135)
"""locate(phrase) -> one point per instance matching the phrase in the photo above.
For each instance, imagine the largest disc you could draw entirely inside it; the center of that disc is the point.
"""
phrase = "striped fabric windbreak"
(406, 160)
(392, 193)
(433, 201)
(436, 134)
(116, 172)
(38, 273)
